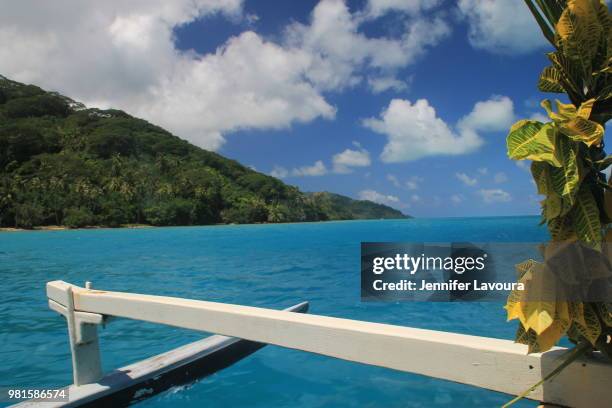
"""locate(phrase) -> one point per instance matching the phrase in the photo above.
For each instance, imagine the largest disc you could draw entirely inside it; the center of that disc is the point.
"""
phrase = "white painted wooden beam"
(494, 364)
(82, 332)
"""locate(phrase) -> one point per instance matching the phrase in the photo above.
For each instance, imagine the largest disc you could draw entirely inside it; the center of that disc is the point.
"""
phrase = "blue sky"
(331, 88)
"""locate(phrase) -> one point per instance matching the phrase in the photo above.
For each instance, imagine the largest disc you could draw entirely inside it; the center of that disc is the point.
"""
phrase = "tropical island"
(63, 164)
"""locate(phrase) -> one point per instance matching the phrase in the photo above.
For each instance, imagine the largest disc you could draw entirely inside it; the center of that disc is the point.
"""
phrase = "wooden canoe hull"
(154, 375)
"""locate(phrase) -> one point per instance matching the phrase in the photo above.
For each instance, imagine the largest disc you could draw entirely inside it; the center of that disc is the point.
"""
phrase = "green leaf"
(565, 179)
(532, 140)
(579, 33)
(586, 218)
(561, 229)
(545, 26)
(571, 79)
(605, 312)
(527, 337)
(583, 130)
(565, 111)
(524, 267)
(589, 326)
(550, 80)
(559, 184)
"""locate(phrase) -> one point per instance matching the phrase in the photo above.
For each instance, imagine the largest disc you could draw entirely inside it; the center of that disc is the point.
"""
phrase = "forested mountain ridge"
(62, 163)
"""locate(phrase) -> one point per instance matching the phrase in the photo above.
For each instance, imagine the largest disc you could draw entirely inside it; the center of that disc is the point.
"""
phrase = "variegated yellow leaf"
(565, 111)
(585, 215)
(529, 338)
(584, 111)
(532, 140)
(550, 80)
(561, 229)
(579, 33)
(605, 312)
(550, 337)
(583, 130)
(589, 326)
(538, 305)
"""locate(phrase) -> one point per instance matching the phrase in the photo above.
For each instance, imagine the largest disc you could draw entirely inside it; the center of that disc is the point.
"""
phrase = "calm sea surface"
(259, 265)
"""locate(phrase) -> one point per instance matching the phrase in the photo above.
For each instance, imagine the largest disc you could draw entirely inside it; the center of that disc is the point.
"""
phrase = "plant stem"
(572, 355)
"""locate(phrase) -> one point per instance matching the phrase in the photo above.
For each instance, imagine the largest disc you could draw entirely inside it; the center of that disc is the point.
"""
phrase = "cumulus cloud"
(340, 52)
(317, 169)
(415, 131)
(247, 83)
(314, 170)
(494, 195)
(345, 161)
(375, 196)
(279, 172)
(377, 8)
(378, 85)
(483, 170)
(540, 117)
(493, 115)
(501, 27)
(122, 54)
(467, 180)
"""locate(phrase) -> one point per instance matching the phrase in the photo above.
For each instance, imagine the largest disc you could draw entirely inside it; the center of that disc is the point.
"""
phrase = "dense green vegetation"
(339, 207)
(64, 164)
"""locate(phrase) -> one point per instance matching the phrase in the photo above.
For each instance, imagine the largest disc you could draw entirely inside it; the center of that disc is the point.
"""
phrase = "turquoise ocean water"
(259, 265)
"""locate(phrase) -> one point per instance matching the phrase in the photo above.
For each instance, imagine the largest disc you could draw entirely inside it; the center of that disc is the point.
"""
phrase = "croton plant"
(568, 164)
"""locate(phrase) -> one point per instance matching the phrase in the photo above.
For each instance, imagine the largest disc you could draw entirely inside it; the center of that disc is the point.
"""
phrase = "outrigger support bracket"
(83, 334)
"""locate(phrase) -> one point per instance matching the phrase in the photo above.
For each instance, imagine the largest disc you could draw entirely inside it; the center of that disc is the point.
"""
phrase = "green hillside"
(64, 164)
(339, 207)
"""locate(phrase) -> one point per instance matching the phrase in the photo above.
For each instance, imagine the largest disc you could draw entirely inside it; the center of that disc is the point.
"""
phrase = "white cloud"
(411, 184)
(317, 169)
(483, 170)
(501, 26)
(279, 172)
(540, 117)
(457, 199)
(340, 52)
(493, 115)
(345, 161)
(495, 195)
(377, 8)
(375, 196)
(415, 198)
(248, 83)
(500, 178)
(467, 180)
(122, 54)
(415, 131)
(378, 85)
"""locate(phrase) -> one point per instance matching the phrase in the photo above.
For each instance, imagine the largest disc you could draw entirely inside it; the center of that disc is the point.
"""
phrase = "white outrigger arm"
(494, 364)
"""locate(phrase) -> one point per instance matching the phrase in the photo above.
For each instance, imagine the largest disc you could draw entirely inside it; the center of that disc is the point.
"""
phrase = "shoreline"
(144, 226)
(64, 228)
